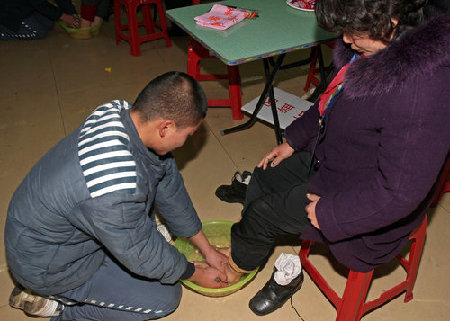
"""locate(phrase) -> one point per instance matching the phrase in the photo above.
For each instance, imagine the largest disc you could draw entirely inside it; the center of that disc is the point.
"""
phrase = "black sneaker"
(235, 193)
(33, 304)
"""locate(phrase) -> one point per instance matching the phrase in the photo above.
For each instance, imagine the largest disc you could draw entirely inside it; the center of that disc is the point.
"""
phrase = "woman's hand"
(208, 277)
(276, 155)
(311, 209)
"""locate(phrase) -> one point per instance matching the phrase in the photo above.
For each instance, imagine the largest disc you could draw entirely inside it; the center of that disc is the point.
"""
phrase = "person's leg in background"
(103, 11)
(114, 294)
(88, 12)
(34, 27)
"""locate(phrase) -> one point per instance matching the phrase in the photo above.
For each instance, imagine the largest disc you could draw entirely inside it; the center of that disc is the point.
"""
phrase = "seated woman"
(32, 19)
(356, 170)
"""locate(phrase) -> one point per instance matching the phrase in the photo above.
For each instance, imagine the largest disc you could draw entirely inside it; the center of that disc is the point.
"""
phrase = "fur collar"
(417, 53)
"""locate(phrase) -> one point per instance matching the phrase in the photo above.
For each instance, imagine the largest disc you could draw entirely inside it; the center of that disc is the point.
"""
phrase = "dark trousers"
(275, 206)
(115, 294)
(35, 26)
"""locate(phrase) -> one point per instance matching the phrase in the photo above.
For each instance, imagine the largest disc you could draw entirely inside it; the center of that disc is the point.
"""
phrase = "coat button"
(316, 165)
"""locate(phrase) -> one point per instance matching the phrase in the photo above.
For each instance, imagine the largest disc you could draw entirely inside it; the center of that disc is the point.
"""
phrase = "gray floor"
(49, 86)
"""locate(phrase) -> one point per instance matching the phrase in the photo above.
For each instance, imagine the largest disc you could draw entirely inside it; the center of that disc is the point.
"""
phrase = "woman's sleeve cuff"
(289, 141)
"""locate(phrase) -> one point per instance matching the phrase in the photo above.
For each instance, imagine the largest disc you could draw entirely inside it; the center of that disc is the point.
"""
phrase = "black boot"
(272, 296)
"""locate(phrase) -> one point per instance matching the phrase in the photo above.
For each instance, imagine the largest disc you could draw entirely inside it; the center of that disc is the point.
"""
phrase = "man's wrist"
(190, 269)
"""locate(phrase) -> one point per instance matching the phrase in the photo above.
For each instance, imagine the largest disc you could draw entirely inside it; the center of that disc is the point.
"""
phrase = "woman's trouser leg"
(275, 206)
(114, 294)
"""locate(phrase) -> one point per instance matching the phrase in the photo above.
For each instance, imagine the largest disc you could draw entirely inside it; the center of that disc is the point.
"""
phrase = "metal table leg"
(268, 91)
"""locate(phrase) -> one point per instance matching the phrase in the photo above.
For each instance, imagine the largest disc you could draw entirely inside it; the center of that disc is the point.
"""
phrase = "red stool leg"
(311, 78)
(117, 21)
(148, 19)
(355, 293)
(135, 49)
(162, 20)
(195, 53)
(234, 89)
(442, 184)
(415, 254)
(193, 62)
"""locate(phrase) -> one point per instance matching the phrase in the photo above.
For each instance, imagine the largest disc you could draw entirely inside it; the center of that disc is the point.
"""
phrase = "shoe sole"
(29, 303)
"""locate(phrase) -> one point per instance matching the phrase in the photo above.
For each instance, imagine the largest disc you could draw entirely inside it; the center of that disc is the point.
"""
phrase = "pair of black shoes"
(235, 193)
(272, 296)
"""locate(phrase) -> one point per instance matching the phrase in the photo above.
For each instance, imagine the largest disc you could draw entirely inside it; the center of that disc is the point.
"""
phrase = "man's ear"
(164, 126)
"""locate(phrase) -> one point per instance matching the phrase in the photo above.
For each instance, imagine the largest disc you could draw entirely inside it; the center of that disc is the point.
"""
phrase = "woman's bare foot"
(232, 275)
(97, 20)
(85, 23)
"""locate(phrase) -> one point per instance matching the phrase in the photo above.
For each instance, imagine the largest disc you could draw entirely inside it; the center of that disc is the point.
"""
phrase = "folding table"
(277, 30)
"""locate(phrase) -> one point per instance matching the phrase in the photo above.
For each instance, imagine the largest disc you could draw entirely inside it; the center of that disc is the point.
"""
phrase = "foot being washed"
(232, 275)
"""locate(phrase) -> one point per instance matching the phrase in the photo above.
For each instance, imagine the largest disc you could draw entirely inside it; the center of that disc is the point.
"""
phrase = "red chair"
(196, 52)
(154, 30)
(352, 306)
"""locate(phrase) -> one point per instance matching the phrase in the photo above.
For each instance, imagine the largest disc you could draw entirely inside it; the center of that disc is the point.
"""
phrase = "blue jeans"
(115, 294)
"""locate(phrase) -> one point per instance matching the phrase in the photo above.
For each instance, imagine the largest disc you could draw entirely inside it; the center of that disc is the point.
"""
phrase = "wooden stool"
(131, 7)
(196, 52)
(352, 306)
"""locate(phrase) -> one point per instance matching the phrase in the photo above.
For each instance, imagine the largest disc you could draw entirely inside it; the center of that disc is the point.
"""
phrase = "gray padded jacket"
(95, 192)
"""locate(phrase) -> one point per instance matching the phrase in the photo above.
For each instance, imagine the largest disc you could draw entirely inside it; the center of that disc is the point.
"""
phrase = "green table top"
(278, 29)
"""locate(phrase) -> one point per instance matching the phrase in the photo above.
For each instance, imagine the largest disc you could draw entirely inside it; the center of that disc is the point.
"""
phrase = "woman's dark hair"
(173, 95)
(369, 17)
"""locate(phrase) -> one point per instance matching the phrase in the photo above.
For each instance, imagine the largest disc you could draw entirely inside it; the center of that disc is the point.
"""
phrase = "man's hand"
(311, 209)
(72, 21)
(276, 155)
(216, 259)
(208, 277)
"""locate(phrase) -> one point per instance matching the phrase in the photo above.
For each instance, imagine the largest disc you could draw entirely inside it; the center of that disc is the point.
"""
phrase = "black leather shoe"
(234, 193)
(272, 296)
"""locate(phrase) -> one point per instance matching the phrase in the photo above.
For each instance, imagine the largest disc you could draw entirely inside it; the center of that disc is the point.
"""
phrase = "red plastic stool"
(313, 70)
(443, 184)
(352, 306)
(196, 52)
(131, 7)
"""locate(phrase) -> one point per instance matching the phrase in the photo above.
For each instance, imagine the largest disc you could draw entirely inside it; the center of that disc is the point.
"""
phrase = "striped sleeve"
(103, 153)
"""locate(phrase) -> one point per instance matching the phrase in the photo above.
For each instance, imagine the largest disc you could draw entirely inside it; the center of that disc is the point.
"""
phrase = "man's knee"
(168, 300)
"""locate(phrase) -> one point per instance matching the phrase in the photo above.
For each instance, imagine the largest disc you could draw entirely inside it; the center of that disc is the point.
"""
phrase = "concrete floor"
(49, 86)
